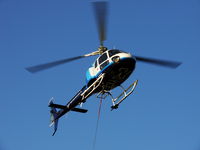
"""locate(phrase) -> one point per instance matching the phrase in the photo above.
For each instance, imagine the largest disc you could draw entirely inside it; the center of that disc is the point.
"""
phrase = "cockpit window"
(104, 64)
(113, 52)
(95, 64)
(102, 58)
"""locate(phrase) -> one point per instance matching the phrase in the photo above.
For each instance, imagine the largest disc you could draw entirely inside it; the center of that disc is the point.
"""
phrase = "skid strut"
(92, 87)
(126, 92)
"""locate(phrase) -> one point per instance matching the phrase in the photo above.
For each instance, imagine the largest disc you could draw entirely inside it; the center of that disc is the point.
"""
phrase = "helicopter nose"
(116, 59)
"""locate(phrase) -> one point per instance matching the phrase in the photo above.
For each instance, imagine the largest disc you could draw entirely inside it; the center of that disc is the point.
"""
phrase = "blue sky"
(162, 114)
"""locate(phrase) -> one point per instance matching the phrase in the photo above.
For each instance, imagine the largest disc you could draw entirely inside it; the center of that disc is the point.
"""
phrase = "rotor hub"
(102, 49)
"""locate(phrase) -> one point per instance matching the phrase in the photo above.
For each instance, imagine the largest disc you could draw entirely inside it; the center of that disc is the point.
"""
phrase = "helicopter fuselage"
(117, 66)
(109, 70)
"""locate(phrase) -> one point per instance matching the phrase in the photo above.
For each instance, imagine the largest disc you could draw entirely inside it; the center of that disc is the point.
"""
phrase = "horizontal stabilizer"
(79, 110)
(52, 105)
(57, 106)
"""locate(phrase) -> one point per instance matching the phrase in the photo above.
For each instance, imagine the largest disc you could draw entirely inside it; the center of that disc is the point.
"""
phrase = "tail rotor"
(53, 117)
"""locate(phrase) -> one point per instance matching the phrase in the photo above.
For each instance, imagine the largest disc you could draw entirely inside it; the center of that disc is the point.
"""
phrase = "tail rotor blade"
(164, 63)
(101, 9)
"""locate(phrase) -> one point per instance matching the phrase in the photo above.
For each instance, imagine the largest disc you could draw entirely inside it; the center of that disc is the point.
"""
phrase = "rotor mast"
(101, 12)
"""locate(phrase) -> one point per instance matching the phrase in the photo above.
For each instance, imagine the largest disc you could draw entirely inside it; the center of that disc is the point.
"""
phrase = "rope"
(97, 125)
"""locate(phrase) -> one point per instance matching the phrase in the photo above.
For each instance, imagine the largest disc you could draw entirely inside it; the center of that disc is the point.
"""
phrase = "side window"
(95, 64)
(102, 58)
(104, 64)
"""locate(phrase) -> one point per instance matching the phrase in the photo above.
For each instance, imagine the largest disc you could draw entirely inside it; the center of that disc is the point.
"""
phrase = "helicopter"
(111, 68)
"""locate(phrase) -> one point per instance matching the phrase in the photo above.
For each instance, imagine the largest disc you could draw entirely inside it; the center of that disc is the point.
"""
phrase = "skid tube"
(126, 92)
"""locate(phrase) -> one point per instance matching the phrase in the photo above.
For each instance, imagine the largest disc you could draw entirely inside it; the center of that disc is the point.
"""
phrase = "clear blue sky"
(162, 114)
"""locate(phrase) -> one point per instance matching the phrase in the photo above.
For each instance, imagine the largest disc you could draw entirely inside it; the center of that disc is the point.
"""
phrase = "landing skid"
(126, 92)
(116, 101)
(92, 87)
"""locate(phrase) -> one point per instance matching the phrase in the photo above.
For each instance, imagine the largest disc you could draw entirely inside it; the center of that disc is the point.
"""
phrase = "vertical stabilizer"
(53, 117)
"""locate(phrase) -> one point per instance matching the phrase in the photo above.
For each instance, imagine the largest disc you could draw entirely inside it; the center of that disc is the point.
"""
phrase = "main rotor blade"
(100, 9)
(37, 68)
(164, 63)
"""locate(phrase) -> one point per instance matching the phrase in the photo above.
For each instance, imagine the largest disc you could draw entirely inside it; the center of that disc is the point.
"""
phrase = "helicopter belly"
(118, 72)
